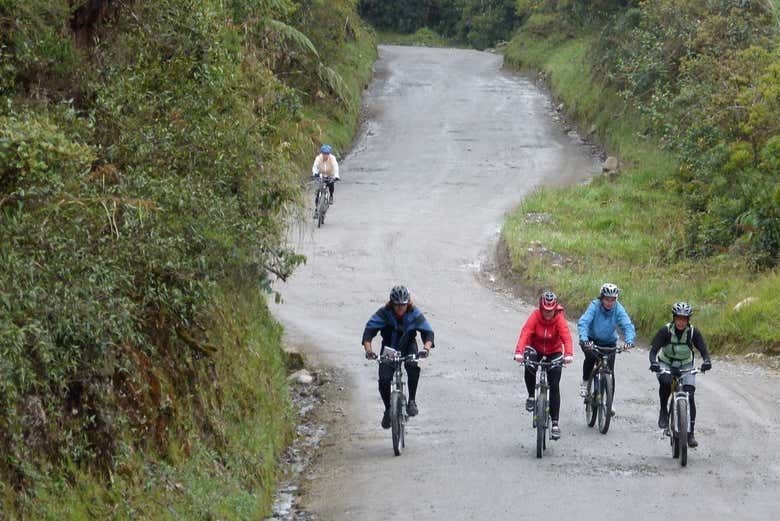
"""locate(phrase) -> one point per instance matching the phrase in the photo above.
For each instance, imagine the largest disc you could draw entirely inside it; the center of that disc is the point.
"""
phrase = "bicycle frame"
(542, 408)
(678, 393)
(598, 402)
(396, 359)
(679, 428)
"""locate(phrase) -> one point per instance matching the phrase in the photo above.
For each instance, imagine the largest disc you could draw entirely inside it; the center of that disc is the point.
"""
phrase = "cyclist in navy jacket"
(598, 326)
(398, 322)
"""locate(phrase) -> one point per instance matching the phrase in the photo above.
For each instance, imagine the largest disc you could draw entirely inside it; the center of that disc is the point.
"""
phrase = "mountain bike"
(322, 199)
(679, 414)
(541, 418)
(398, 415)
(601, 392)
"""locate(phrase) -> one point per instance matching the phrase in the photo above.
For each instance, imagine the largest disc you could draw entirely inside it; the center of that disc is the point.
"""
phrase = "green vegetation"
(693, 214)
(421, 38)
(150, 158)
(688, 97)
(477, 23)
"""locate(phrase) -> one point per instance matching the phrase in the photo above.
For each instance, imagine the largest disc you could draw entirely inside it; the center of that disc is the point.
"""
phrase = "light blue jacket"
(600, 326)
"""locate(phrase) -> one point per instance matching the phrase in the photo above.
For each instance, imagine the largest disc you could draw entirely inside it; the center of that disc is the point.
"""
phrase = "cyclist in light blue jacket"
(598, 326)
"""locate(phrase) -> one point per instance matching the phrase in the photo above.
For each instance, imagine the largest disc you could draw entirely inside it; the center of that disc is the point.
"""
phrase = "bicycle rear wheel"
(605, 407)
(541, 422)
(590, 403)
(397, 422)
(682, 431)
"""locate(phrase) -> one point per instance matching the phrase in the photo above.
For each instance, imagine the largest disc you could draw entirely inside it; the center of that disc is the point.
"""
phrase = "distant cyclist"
(545, 333)
(326, 165)
(598, 326)
(398, 322)
(673, 346)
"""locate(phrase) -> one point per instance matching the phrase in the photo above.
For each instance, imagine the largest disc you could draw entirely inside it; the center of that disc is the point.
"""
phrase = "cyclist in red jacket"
(545, 333)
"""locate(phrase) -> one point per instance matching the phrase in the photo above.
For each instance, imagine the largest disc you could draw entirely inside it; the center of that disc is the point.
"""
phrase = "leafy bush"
(146, 169)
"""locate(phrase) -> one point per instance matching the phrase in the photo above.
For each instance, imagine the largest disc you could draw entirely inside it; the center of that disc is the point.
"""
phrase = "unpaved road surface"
(451, 144)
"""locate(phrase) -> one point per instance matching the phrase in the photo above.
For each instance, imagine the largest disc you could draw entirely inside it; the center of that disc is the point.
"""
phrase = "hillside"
(151, 156)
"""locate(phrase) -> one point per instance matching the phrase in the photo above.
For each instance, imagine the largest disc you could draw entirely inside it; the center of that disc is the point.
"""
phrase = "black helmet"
(399, 295)
(682, 309)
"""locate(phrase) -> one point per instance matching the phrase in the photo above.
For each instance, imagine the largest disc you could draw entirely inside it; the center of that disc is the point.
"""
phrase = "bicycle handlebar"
(692, 370)
(544, 363)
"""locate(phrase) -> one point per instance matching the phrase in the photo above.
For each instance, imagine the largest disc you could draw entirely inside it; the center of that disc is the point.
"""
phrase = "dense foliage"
(479, 23)
(148, 158)
(704, 76)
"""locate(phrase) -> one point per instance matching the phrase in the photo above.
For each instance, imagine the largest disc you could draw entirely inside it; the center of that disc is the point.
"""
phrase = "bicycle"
(541, 417)
(322, 199)
(601, 392)
(398, 415)
(679, 417)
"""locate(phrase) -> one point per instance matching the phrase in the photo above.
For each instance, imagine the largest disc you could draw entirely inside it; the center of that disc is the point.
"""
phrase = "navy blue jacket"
(385, 323)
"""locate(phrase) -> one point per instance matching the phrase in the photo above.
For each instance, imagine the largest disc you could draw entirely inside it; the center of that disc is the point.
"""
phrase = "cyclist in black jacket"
(398, 322)
(673, 347)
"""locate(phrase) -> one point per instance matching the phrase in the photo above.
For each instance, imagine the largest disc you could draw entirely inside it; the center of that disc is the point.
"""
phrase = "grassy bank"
(626, 230)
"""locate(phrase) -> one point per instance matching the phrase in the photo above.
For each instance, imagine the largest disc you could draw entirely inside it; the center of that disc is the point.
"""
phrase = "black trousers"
(387, 371)
(591, 357)
(330, 186)
(553, 378)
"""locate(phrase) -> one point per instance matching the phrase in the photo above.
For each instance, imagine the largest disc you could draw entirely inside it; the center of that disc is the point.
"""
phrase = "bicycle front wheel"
(396, 422)
(682, 431)
(590, 403)
(605, 407)
(673, 427)
(541, 422)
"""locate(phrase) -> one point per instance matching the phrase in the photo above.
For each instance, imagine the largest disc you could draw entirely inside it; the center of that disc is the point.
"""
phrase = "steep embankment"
(688, 98)
(149, 161)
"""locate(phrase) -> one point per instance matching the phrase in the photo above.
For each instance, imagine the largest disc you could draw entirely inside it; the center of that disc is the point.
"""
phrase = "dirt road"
(452, 143)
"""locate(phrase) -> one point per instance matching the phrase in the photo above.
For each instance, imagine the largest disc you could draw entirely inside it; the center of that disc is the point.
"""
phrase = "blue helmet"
(325, 149)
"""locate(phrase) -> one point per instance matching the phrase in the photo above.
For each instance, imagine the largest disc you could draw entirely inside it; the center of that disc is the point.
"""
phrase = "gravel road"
(451, 143)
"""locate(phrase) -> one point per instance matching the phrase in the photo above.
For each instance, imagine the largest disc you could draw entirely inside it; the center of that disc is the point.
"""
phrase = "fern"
(335, 83)
(291, 34)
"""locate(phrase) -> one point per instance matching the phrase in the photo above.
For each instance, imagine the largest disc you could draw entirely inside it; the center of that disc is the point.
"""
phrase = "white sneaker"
(584, 389)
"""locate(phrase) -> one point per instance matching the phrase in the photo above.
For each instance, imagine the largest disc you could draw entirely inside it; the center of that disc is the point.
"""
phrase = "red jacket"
(546, 336)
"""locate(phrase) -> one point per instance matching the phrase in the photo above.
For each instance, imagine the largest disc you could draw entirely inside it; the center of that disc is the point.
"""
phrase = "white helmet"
(609, 290)
(682, 309)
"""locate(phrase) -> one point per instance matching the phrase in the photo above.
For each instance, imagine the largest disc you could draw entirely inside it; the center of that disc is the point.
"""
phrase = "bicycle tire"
(682, 431)
(321, 209)
(541, 423)
(396, 422)
(590, 403)
(673, 429)
(599, 401)
(606, 400)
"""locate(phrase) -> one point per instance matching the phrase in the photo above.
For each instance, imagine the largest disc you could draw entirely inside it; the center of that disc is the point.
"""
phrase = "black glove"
(423, 353)
(706, 366)
(655, 367)
(370, 355)
(587, 344)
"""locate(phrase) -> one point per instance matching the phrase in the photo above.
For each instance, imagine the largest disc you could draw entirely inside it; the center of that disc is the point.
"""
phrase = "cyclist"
(398, 321)
(598, 326)
(673, 346)
(326, 165)
(545, 333)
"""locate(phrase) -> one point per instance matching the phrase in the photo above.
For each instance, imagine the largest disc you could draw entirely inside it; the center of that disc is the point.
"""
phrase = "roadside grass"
(625, 230)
